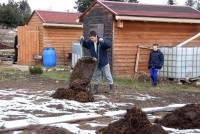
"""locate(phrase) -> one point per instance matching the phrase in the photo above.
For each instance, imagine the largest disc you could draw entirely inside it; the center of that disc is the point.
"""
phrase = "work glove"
(101, 40)
(93, 58)
(82, 37)
(81, 40)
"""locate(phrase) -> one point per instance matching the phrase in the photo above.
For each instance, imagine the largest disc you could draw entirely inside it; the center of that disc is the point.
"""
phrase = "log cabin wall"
(132, 34)
(61, 39)
(36, 22)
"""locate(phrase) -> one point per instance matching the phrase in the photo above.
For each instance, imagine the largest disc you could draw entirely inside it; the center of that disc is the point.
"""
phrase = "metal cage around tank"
(181, 62)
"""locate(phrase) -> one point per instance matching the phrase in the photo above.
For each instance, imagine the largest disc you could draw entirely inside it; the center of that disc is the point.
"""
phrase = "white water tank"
(181, 62)
(77, 53)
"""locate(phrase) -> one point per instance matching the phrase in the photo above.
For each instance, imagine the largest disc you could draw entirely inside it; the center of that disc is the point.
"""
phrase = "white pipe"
(153, 19)
(188, 40)
(22, 124)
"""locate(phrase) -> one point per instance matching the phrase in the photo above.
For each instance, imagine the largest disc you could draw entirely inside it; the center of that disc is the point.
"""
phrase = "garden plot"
(24, 107)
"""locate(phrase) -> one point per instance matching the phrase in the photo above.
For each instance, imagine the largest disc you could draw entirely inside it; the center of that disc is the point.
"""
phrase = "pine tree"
(190, 3)
(171, 2)
(134, 1)
(14, 14)
(25, 10)
(198, 5)
(82, 5)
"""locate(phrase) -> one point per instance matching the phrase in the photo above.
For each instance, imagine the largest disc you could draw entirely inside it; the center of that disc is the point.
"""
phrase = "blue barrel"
(49, 57)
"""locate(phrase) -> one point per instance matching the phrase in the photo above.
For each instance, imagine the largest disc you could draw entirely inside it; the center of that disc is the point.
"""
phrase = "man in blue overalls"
(98, 49)
(156, 61)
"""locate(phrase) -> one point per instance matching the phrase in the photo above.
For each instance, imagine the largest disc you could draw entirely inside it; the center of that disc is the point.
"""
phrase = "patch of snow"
(140, 97)
(96, 125)
(114, 113)
(101, 97)
(146, 110)
(21, 102)
(178, 131)
(48, 120)
(166, 108)
(17, 132)
(152, 117)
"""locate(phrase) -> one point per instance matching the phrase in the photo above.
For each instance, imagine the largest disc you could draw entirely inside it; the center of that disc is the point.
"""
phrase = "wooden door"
(28, 41)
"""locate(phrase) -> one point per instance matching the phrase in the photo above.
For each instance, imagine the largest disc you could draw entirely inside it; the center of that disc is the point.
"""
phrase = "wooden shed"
(48, 29)
(129, 25)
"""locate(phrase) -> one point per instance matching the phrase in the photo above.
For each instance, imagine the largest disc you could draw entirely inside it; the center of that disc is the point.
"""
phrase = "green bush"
(35, 70)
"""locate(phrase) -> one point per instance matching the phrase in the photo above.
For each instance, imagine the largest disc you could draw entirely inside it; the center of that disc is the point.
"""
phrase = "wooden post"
(137, 59)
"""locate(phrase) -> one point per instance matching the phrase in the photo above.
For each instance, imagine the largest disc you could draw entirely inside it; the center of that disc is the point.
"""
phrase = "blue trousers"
(154, 76)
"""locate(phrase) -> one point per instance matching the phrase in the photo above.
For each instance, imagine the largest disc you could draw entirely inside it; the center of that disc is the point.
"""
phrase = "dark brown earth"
(79, 80)
(46, 130)
(165, 97)
(187, 117)
(134, 122)
(70, 94)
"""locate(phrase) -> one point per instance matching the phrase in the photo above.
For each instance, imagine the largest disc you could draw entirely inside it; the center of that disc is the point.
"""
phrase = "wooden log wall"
(61, 39)
(132, 34)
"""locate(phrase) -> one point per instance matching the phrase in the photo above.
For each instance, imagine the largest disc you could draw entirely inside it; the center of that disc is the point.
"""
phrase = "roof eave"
(92, 5)
(35, 11)
(158, 19)
(62, 25)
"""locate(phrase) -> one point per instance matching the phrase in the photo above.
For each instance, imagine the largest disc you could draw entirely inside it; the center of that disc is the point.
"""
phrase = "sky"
(68, 5)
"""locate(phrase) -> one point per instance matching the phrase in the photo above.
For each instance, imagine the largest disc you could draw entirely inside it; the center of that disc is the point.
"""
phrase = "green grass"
(7, 69)
(164, 85)
(121, 82)
(61, 75)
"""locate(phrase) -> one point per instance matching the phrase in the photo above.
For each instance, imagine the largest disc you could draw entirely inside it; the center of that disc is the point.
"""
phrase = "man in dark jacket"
(98, 49)
(156, 61)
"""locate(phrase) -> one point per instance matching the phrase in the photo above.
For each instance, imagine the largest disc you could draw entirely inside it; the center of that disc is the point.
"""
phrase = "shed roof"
(147, 10)
(54, 17)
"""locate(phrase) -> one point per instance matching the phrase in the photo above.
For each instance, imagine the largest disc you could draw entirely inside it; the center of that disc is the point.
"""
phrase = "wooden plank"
(137, 60)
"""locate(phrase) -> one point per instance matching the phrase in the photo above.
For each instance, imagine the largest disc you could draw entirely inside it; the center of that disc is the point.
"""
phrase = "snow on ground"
(74, 128)
(186, 131)
(18, 104)
(140, 97)
(24, 107)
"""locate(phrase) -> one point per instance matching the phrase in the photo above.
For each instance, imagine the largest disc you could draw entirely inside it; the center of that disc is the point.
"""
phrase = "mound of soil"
(35, 129)
(187, 117)
(71, 94)
(79, 80)
(134, 122)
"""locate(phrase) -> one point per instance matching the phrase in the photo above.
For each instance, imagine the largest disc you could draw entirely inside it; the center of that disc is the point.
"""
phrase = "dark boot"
(111, 87)
(95, 89)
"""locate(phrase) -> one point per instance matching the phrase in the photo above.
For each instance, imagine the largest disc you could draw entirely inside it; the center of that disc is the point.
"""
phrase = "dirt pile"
(134, 122)
(71, 94)
(36, 129)
(187, 117)
(79, 80)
